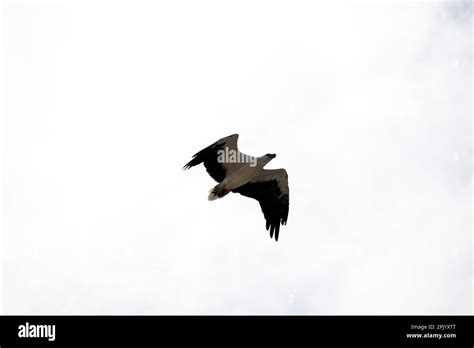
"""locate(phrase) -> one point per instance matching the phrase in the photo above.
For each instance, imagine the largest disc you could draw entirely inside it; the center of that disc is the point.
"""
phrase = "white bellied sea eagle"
(244, 174)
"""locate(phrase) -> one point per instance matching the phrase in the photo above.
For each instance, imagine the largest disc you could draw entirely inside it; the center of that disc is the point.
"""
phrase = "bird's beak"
(273, 156)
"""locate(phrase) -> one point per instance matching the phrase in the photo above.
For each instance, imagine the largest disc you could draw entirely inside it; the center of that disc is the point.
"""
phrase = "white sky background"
(367, 105)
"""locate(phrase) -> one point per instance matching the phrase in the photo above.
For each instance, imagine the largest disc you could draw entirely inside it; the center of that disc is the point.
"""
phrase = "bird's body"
(239, 176)
(244, 174)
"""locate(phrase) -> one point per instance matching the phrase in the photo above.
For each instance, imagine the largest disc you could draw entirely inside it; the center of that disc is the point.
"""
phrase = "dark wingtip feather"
(187, 166)
(277, 232)
(195, 161)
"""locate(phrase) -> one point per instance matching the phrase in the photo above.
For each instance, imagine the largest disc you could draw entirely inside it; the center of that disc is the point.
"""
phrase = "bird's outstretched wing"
(209, 156)
(271, 190)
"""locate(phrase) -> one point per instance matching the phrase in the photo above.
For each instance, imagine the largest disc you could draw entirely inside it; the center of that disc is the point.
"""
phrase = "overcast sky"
(367, 105)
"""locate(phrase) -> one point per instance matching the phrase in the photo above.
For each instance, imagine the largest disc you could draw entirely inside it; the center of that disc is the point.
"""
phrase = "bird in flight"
(240, 173)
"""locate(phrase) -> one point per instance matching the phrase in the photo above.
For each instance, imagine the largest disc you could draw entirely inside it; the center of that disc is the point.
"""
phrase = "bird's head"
(265, 159)
(270, 156)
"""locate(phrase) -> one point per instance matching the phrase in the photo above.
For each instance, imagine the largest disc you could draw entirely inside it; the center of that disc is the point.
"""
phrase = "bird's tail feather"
(217, 192)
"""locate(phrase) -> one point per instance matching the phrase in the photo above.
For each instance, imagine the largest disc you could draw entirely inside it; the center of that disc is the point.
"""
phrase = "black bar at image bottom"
(289, 330)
